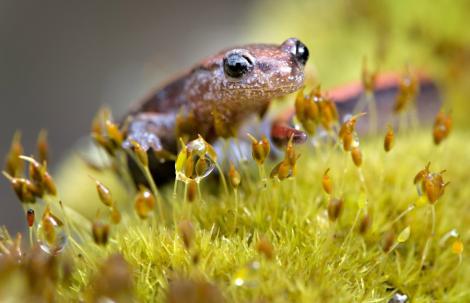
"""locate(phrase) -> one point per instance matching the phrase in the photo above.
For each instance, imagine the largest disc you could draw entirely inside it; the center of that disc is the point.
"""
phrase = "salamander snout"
(298, 50)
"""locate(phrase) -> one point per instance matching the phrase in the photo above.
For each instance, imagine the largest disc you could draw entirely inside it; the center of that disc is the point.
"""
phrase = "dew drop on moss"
(195, 162)
(398, 298)
(247, 276)
(51, 236)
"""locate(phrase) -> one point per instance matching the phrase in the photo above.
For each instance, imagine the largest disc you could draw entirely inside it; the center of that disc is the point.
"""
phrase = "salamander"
(213, 99)
(221, 92)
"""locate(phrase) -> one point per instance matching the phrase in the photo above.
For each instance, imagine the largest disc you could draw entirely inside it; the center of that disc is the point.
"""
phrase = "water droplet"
(106, 300)
(51, 235)
(398, 298)
(247, 275)
(196, 161)
(197, 146)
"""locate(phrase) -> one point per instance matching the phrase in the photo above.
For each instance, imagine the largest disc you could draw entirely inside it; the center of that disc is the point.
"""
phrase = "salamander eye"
(237, 65)
(297, 49)
(301, 52)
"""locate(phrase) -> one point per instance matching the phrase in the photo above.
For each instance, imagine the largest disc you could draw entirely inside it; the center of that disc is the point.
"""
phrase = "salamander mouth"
(284, 88)
(273, 92)
(255, 94)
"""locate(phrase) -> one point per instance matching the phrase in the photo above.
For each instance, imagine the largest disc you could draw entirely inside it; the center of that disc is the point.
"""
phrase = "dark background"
(61, 60)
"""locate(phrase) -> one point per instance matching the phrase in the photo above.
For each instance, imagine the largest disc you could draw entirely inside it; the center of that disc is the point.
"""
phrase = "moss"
(314, 259)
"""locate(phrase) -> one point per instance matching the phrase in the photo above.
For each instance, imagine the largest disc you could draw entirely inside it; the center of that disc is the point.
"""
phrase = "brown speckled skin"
(205, 90)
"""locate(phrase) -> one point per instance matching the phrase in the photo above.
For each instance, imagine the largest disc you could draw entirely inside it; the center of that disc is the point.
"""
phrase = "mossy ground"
(316, 260)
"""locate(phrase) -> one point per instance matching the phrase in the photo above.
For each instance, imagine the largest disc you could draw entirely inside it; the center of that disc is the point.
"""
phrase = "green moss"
(315, 260)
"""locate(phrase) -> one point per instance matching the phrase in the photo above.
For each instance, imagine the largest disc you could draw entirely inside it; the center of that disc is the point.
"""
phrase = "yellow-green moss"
(315, 260)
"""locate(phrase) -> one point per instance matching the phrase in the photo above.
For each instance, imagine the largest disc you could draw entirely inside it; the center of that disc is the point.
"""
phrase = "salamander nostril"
(301, 52)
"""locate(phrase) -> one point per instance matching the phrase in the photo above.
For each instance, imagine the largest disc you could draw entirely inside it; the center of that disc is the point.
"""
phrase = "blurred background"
(61, 60)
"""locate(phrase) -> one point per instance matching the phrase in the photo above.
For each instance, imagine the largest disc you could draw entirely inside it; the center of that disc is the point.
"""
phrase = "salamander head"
(252, 72)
